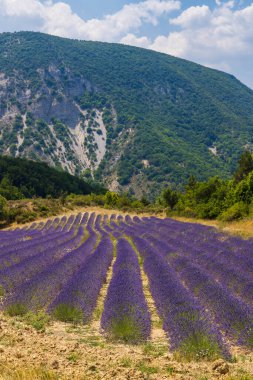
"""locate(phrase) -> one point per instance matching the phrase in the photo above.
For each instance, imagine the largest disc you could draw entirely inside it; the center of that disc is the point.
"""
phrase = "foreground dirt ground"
(74, 352)
(82, 352)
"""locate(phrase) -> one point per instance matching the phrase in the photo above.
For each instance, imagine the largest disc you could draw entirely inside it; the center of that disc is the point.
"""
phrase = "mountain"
(135, 118)
(21, 178)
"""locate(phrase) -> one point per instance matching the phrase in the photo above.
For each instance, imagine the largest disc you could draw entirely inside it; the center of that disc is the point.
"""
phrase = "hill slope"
(20, 177)
(137, 118)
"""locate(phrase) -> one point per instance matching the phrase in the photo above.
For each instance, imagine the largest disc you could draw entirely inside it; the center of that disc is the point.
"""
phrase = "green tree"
(145, 201)
(111, 198)
(8, 191)
(3, 207)
(191, 184)
(245, 166)
(170, 197)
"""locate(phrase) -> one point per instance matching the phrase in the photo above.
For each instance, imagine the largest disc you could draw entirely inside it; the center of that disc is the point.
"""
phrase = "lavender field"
(201, 280)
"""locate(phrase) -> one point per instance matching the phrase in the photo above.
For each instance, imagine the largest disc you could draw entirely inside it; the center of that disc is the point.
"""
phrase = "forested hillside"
(135, 118)
(20, 178)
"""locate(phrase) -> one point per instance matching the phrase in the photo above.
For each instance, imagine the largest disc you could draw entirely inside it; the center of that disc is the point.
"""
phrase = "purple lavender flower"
(126, 315)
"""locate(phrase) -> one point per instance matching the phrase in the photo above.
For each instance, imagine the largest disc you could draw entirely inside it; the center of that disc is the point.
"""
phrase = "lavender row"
(221, 269)
(185, 322)
(41, 289)
(13, 276)
(220, 265)
(126, 314)
(233, 269)
(80, 294)
(30, 231)
(28, 262)
(216, 266)
(30, 240)
(234, 317)
(231, 314)
(16, 256)
(202, 238)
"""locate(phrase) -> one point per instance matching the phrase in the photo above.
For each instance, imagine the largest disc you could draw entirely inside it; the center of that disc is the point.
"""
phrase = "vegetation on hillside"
(20, 178)
(216, 198)
(29, 190)
(166, 118)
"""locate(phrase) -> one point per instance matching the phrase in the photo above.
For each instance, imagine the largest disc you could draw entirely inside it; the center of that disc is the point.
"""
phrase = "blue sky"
(99, 8)
(215, 33)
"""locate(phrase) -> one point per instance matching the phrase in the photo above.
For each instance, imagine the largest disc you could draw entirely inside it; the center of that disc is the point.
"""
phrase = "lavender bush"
(126, 315)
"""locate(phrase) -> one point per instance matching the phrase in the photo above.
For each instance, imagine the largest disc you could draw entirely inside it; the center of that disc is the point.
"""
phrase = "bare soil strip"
(158, 335)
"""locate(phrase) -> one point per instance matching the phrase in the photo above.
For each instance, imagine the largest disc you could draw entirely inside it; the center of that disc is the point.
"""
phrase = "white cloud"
(131, 39)
(59, 19)
(175, 43)
(111, 27)
(27, 8)
(228, 3)
(210, 33)
(198, 15)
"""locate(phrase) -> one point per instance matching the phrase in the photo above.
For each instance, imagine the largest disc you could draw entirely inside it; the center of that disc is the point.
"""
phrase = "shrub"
(68, 313)
(26, 216)
(237, 211)
(209, 210)
(170, 197)
(86, 200)
(3, 207)
(125, 330)
(137, 204)
(111, 198)
(2, 291)
(17, 309)
(38, 320)
(188, 212)
(198, 347)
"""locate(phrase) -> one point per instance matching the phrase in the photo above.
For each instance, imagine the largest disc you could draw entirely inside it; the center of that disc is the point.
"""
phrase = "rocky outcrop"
(48, 123)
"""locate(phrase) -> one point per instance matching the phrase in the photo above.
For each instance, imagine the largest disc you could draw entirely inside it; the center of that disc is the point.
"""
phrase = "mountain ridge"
(137, 119)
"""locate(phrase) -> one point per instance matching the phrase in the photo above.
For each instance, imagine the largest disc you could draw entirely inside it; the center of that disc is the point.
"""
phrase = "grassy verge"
(28, 374)
(242, 228)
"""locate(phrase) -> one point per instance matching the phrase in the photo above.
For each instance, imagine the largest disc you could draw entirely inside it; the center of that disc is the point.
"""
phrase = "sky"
(214, 33)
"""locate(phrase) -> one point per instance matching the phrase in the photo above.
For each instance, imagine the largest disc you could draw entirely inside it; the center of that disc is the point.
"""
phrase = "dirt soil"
(83, 353)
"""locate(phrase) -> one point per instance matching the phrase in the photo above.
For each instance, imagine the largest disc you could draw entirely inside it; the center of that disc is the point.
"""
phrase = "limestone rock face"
(48, 123)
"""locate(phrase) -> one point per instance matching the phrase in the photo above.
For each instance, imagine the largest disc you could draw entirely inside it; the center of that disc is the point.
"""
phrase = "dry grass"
(28, 374)
(242, 228)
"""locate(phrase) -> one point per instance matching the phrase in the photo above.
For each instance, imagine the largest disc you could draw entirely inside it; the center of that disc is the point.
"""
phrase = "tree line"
(216, 198)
